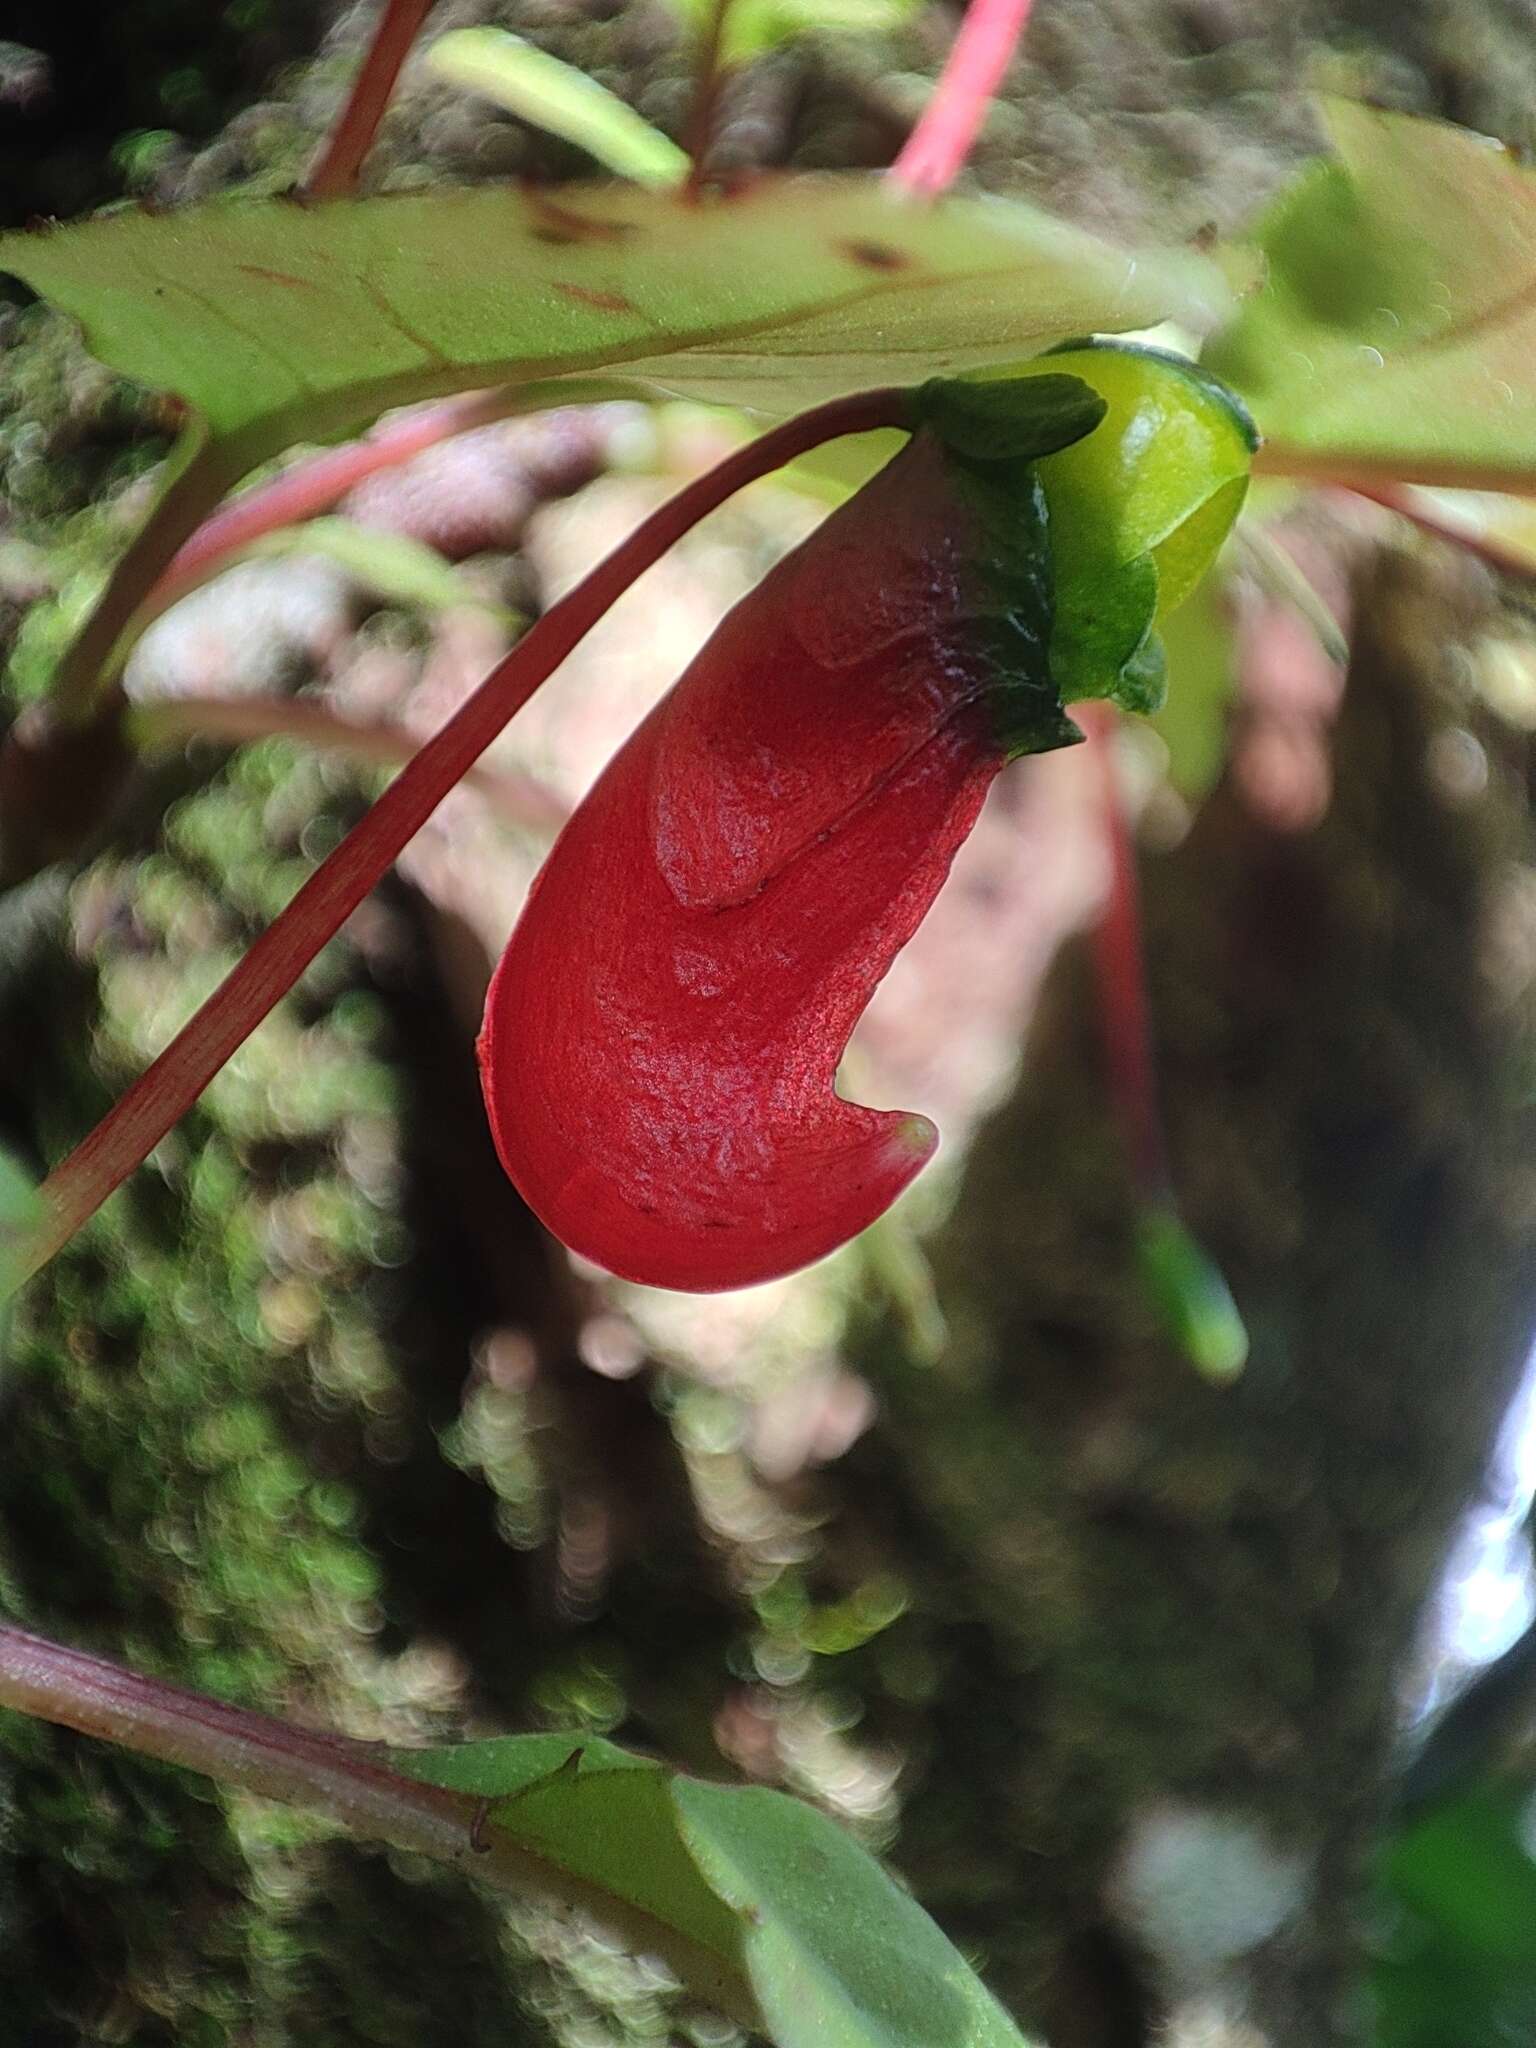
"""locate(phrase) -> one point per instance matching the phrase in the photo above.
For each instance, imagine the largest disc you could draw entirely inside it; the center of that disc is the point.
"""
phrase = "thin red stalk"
(706, 98)
(932, 156)
(325, 1774)
(315, 484)
(334, 172)
(1124, 1012)
(521, 799)
(1507, 560)
(130, 1131)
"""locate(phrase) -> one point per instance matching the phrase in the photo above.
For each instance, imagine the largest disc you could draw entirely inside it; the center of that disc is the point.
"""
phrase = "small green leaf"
(1190, 1295)
(1396, 324)
(504, 1765)
(594, 1811)
(393, 565)
(838, 1954)
(540, 89)
(835, 1953)
(20, 1213)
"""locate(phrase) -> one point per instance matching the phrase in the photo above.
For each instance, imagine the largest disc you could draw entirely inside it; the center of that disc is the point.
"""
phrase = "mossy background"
(306, 1417)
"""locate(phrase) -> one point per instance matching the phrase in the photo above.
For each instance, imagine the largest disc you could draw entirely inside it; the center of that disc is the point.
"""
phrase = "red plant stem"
(334, 172)
(1124, 1012)
(706, 98)
(133, 1127)
(328, 1774)
(315, 484)
(1507, 560)
(938, 146)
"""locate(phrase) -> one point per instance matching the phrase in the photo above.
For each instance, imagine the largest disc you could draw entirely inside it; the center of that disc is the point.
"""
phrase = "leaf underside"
(278, 322)
(1397, 320)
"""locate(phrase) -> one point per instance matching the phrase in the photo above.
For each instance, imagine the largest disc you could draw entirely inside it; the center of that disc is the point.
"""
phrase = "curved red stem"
(334, 173)
(1124, 1012)
(314, 485)
(167, 1089)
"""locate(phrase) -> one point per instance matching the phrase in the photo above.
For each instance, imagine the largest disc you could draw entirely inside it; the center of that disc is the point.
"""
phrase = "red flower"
(663, 1033)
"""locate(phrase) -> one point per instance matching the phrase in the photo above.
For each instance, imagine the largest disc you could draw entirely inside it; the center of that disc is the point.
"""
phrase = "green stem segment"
(325, 1774)
(130, 1131)
(204, 472)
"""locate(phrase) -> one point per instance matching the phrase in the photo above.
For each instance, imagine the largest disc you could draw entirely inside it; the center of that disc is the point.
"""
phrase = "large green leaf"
(278, 322)
(836, 1954)
(1457, 1961)
(1396, 327)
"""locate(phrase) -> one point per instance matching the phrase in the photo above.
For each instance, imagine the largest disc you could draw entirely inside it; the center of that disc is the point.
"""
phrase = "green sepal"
(1101, 495)
(1138, 507)
(1142, 684)
(1005, 421)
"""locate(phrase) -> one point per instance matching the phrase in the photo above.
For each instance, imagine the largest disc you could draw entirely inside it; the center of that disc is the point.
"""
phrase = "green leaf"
(836, 1954)
(1192, 1299)
(540, 89)
(1396, 326)
(280, 323)
(393, 565)
(1457, 1888)
(839, 1956)
(20, 1213)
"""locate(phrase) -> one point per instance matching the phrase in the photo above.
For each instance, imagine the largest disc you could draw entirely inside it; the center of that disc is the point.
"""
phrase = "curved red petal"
(663, 1032)
(660, 1078)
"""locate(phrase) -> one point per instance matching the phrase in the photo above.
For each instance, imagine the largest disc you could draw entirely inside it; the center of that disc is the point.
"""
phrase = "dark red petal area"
(663, 1032)
(660, 1079)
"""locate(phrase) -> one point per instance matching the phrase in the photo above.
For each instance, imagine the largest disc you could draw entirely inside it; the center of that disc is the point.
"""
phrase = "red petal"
(663, 1032)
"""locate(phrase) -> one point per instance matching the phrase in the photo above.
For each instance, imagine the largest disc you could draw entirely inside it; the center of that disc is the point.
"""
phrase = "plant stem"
(1124, 1012)
(94, 657)
(325, 1774)
(130, 1131)
(702, 114)
(938, 146)
(1362, 471)
(1280, 574)
(521, 799)
(1509, 561)
(314, 485)
(333, 175)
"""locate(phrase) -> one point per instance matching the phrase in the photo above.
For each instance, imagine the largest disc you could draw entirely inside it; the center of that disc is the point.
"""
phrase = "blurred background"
(1127, 1673)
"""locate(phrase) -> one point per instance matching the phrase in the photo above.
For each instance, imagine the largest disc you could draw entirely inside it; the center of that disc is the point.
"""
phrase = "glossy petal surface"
(663, 1033)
